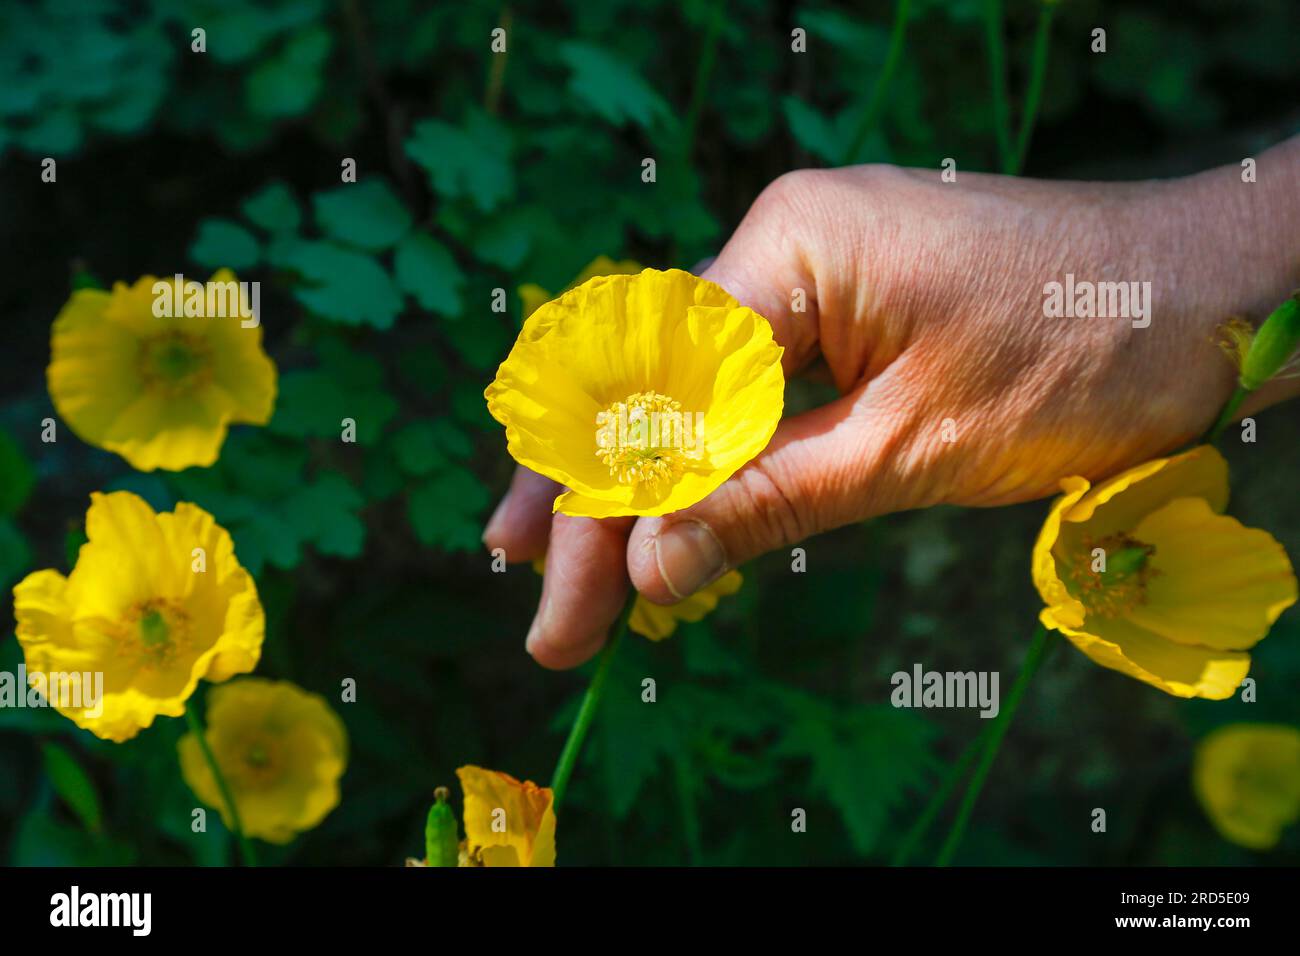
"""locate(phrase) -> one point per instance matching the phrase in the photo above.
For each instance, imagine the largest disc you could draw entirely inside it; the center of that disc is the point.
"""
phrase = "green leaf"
(15, 555)
(482, 343)
(16, 476)
(423, 447)
(445, 510)
(635, 735)
(865, 761)
(325, 514)
(416, 449)
(73, 785)
(813, 131)
(287, 84)
(223, 244)
(428, 272)
(345, 286)
(273, 208)
(258, 489)
(365, 214)
(473, 161)
(264, 538)
(610, 88)
(313, 404)
(505, 240)
(41, 840)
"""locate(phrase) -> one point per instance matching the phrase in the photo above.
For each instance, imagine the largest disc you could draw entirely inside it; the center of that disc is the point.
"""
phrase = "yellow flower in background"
(641, 394)
(159, 391)
(155, 602)
(657, 621)
(1247, 777)
(1145, 575)
(282, 751)
(534, 296)
(507, 822)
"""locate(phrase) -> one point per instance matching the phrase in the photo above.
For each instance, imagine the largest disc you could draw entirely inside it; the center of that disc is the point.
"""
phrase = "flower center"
(175, 362)
(1109, 576)
(644, 440)
(257, 763)
(156, 632)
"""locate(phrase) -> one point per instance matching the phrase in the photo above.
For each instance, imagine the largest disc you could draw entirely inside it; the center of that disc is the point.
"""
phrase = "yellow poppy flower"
(160, 392)
(155, 602)
(534, 296)
(1145, 575)
(282, 751)
(507, 823)
(641, 394)
(657, 621)
(1247, 777)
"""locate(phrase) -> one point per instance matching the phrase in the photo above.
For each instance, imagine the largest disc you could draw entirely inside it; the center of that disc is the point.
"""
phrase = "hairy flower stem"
(246, 851)
(1033, 658)
(586, 713)
(877, 101)
(949, 783)
(1042, 41)
(1225, 417)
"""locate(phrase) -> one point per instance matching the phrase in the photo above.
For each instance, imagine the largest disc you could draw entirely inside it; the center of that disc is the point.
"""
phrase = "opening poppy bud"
(1273, 345)
(441, 846)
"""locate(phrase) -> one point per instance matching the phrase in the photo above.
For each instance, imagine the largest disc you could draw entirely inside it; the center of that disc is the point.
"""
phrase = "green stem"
(497, 69)
(1042, 42)
(690, 814)
(1225, 416)
(931, 811)
(877, 100)
(998, 73)
(1033, 658)
(586, 713)
(703, 71)
(246, 851)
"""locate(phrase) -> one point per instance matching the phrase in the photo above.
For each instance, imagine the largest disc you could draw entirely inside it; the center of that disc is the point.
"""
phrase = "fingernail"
(689, 556)
(497, 517)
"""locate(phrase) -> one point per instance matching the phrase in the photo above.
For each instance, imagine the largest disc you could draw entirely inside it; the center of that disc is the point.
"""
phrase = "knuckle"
(769, 515)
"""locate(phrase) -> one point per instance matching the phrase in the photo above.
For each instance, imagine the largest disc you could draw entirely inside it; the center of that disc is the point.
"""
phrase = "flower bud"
(1273, 344)
(441, 846)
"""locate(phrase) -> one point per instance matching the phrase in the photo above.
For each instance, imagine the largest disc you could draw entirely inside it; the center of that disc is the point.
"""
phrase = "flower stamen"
(157, 632)
(175, 363)
(641, 440)
(1110, 576)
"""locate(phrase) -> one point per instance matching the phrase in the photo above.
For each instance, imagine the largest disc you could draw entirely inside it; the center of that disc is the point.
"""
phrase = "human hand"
(925, 301)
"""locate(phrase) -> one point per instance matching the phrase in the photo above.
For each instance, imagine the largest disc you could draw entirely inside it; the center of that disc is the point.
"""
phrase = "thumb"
(822, 469)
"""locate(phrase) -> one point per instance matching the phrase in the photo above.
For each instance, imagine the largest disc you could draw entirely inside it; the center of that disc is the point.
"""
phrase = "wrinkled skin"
(925, 303)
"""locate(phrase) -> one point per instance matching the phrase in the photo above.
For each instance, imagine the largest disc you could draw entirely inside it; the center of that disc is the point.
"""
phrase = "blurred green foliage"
(476, 174)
